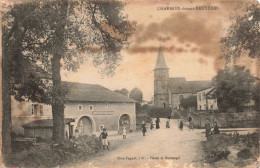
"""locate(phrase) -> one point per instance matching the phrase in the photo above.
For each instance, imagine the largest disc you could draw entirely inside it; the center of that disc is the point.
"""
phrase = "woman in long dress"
(143, 126)
(157, 123)
(208, 128)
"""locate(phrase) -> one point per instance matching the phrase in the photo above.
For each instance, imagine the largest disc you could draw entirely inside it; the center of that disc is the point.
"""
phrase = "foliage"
(243, 34)
(256, 96)
(188, 102)
(160, 112)
(233, 87)
(62, 153)
(123, 91)
(218, 147)
(136, 94)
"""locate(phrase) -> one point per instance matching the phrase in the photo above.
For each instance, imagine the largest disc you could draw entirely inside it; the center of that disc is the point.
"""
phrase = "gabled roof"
(196, 86)
(44, 123)
(93, 93)
(160, 62)
(180, 85)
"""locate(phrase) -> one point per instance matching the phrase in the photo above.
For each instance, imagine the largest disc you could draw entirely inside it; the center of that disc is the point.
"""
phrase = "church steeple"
(160, 63)
(161, 80)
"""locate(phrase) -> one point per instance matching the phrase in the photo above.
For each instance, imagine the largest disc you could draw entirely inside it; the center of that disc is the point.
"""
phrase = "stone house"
(88, 109)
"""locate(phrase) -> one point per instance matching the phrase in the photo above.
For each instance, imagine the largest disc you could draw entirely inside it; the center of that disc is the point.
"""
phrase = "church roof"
(196, 86)
(93, 93)
(180, 85)
(160, 62)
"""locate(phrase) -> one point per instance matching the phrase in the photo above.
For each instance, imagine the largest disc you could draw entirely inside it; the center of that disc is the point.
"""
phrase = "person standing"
(103, 137)
(181, 125)
(167, 124)
(216, 129)
(151, 125)
(190, 123)
(143, 126)
(76, 132)
(169, 117)
(124, 133)
(157, 123)
(207, 128)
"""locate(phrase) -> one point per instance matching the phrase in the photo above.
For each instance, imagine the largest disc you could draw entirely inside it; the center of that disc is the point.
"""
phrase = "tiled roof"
(196, 86)
(180, 85)
(93, 93)
(160, 63)
(45, 123)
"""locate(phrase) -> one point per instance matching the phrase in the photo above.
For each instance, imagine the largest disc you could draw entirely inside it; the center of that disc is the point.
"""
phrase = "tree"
(256, 96)
(49, 33)
(123, 91)
(136, 94)
(243, 35)
(21, 77)
(233, 87)
(189, 102)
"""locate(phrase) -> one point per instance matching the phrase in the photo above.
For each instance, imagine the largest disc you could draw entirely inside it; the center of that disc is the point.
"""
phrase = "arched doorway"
(124, 121)
(85, 126)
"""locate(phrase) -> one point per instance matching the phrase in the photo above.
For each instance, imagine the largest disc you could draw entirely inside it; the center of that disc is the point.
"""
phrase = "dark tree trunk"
(58, 92)
(57, 100)
(6, 107)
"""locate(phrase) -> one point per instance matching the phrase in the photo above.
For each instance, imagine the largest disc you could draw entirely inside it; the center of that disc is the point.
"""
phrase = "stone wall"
(230, 120)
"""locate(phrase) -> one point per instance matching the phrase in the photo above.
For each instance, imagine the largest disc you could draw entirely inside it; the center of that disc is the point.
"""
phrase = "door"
(85, 126)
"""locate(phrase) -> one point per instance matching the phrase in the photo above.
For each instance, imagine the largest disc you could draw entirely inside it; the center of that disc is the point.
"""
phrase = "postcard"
(132, 83)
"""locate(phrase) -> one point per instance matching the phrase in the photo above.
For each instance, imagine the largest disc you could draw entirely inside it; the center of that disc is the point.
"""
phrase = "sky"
(190, 41)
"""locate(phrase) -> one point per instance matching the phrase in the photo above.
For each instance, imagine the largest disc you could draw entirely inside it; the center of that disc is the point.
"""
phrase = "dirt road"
(163, 147)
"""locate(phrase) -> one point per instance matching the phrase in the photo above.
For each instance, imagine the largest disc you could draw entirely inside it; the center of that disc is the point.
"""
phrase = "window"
(34, 109)
(164, 105)
(107, 105)
(80, 107)
(91, 107)
(41, 110)
(200, 107)
(101, 128)
(37, 110)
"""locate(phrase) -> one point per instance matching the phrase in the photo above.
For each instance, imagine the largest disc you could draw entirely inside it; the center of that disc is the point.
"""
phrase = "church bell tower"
(161, 81)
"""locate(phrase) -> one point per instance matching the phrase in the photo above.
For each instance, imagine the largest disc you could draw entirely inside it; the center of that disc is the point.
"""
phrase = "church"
(168, 92)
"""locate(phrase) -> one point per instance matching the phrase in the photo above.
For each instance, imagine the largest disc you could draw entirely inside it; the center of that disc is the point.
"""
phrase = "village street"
(162, 147)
